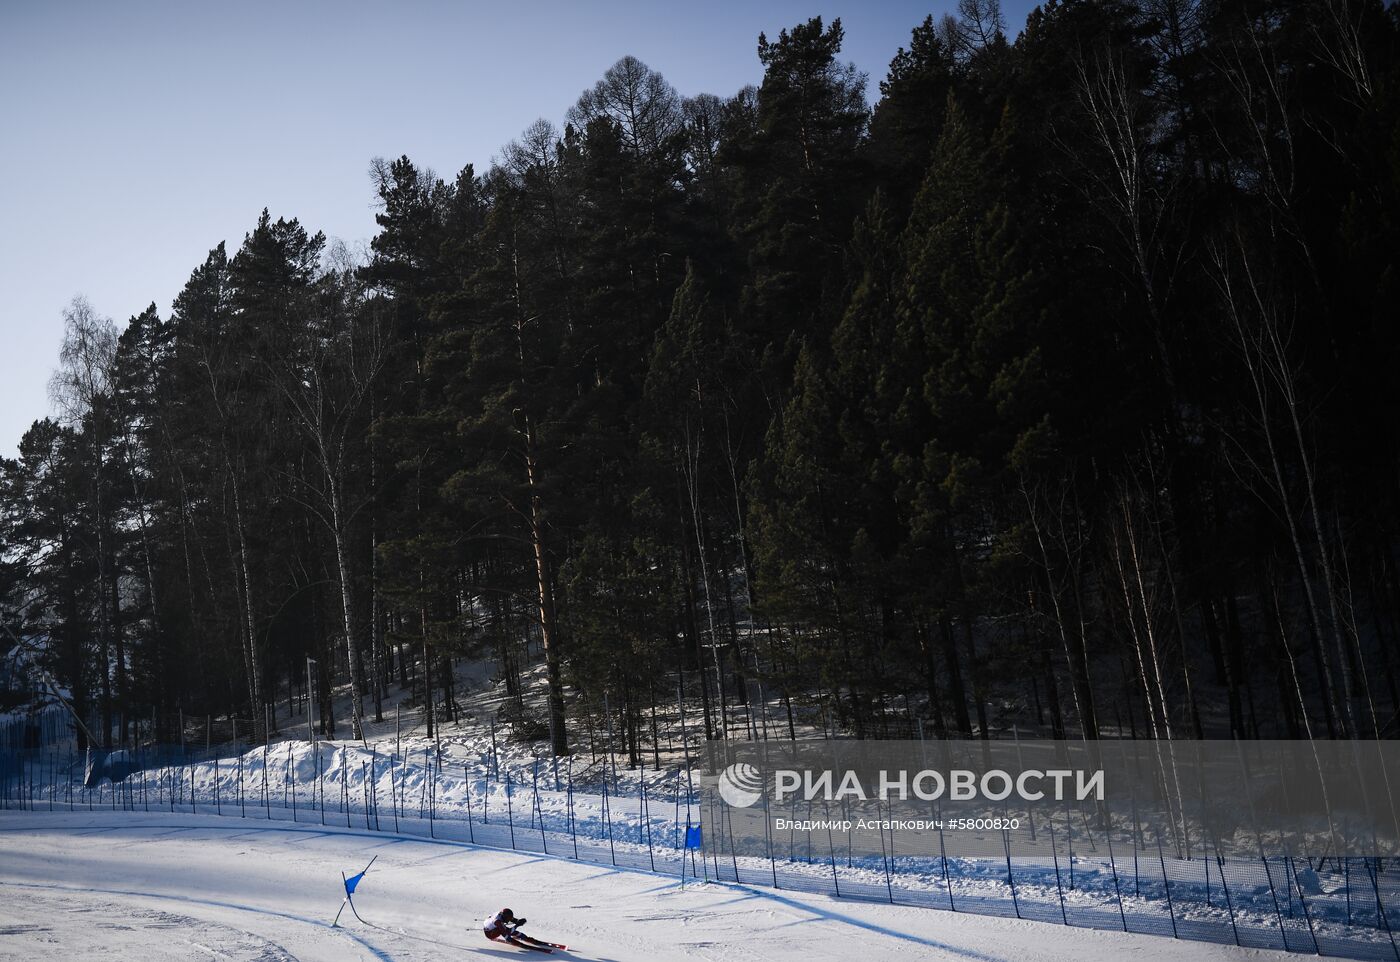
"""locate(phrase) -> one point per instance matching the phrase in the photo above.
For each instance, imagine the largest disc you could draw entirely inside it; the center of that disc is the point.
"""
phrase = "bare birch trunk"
(1252, 349)
(352, 640)
(250, 647)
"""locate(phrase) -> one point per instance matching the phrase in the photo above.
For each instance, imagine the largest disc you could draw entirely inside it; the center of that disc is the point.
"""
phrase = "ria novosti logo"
(741, 785)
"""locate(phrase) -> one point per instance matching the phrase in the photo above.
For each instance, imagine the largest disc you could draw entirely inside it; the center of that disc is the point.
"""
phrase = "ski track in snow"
(166, 887)
(111, 919)
(95, 923)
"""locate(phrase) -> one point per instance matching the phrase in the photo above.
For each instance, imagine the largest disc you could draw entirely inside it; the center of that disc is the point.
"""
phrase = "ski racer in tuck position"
(504, 926)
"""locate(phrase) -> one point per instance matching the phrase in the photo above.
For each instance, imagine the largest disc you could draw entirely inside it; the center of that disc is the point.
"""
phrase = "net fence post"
(364, 788)
(607, 812)
(534, 789)
(943, 858)
(1380, 909)
(726, 816)
(704, 862)
(1055, 855)
(495, 761)
(646, 815)
(1263, 858)
(374, 784)
(1113, 866)
(1166, 885)
(394, 795)
(573, 828)
(1292, 866)
(689, 793)
(510, 811)
(1273, 893)
(1069, 842)
(894, 866)
(1225, 887)
(768, 837)
(403, 785)
(423, 793)
(434, 765)
(884, 859)
(1010, 878)
(676, 816)
(539, 809)
(467, 781)
(1137, 845)
(808, 833)
(1346, 883)
(830, 844)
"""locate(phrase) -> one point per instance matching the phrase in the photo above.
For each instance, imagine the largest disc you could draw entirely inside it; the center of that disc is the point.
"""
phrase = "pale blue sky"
(134, 136)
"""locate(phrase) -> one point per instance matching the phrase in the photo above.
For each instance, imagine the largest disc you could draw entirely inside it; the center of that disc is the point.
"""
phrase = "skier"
(505, 926)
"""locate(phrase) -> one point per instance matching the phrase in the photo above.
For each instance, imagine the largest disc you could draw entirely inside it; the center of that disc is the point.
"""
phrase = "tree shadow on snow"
(835, 916)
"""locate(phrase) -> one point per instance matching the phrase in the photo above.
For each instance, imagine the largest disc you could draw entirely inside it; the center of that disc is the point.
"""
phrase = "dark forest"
(1055, 390)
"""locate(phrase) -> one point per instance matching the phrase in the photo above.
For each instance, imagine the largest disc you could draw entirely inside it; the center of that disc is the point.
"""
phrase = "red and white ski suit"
(496, 927)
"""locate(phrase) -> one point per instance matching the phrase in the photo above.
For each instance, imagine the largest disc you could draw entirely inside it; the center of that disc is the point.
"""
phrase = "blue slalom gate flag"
(350, 884)
(693, 839)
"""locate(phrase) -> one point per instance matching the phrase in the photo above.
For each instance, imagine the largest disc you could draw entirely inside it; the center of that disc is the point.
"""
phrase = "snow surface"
(169, 886)
(587, 809)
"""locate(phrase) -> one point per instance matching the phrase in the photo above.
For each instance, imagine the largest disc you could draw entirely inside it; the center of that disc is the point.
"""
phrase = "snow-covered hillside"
(166, 887)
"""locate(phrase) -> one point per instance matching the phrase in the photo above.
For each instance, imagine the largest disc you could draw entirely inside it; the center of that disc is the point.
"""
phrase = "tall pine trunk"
(549, 629)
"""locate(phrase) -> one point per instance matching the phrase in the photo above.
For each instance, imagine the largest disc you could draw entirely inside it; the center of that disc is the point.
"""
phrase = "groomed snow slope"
(158, 887)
